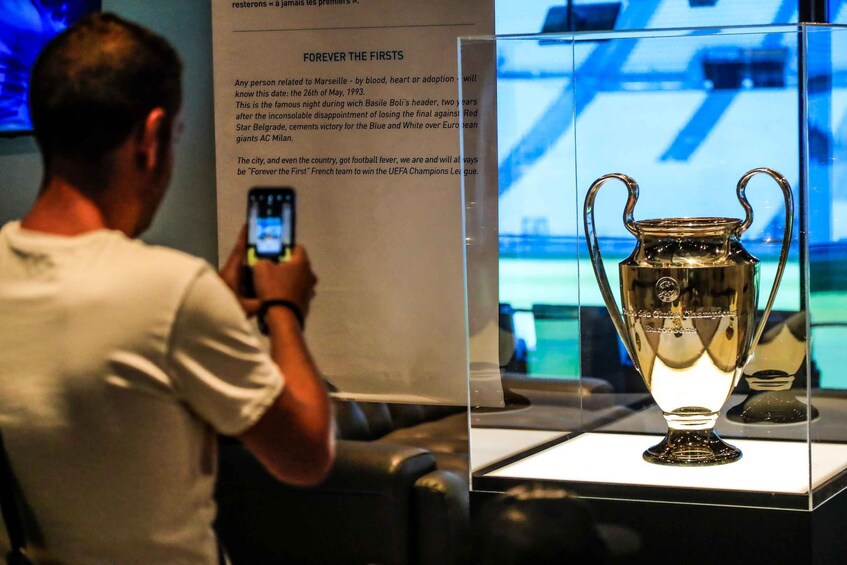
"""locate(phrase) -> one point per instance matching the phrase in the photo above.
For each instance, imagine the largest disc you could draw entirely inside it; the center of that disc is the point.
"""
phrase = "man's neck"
(63, 209)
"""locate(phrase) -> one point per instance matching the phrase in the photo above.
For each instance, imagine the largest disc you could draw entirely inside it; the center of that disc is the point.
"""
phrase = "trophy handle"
(786, 237)
(594, 247)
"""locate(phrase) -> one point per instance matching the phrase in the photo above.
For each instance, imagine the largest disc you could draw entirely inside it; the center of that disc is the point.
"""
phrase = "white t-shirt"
(117, 362)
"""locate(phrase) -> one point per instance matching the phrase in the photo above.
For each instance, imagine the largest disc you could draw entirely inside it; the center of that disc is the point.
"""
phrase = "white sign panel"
(354, 104)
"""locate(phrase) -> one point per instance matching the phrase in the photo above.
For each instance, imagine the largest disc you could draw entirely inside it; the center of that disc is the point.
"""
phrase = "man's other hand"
(232, 271)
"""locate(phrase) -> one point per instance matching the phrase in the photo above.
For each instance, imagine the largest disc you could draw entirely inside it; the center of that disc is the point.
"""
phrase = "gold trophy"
(689, 292)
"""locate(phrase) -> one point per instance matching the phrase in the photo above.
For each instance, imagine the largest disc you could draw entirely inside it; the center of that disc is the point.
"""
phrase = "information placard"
(354, 104)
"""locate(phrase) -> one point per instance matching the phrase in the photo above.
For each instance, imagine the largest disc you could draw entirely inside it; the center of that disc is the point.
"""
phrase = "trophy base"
(692, 448)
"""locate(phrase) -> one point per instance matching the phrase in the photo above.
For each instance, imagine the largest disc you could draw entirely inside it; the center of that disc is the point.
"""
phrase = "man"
(118, 360)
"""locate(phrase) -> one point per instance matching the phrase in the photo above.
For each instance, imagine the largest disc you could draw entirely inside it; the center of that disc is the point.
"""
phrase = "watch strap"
(268, 304)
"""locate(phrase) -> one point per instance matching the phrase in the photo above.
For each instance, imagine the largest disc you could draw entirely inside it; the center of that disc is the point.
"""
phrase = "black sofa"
(398, 494)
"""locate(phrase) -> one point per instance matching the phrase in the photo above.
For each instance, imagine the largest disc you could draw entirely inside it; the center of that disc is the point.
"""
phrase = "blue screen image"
(269, 239)
(26, 26)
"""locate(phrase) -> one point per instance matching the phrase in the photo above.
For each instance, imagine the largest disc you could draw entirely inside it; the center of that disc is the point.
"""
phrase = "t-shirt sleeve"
(218, 367)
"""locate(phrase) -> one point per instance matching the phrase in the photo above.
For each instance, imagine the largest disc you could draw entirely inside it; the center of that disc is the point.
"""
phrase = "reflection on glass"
(771, 374)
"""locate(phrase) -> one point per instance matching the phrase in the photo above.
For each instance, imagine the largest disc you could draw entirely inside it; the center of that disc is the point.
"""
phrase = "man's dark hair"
(97, 81)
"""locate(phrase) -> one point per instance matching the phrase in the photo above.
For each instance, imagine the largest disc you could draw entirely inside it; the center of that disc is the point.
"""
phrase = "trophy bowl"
(688, 292)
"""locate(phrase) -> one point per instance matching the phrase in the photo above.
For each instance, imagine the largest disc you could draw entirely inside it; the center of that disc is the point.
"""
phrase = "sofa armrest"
(362, 512)
(442, 497)
(588, 392)
(584, 386)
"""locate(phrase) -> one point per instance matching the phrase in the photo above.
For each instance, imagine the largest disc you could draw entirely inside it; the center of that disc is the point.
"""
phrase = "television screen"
(25, 28)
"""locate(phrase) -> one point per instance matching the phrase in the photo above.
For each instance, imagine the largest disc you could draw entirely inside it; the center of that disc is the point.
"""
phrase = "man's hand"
(288, 280)
(231, 273)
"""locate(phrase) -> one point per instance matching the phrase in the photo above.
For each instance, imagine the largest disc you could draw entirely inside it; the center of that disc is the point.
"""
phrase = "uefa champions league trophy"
(689, 292)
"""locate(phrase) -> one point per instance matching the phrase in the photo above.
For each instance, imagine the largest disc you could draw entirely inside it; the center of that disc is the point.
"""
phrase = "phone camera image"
(270, 229)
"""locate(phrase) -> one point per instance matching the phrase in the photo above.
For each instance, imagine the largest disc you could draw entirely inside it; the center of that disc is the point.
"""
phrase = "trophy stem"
(692, 448)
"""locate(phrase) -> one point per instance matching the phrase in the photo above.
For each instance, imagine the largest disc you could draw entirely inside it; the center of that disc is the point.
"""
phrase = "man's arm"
(294, 438)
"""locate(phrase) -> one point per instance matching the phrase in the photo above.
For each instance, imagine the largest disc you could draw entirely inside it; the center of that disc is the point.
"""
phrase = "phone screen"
(270, 229)
(270, 224)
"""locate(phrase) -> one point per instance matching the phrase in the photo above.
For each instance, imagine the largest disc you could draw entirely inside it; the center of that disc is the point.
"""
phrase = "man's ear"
(149, 150)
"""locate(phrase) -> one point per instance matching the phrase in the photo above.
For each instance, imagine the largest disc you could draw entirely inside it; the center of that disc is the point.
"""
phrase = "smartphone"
(270, 230)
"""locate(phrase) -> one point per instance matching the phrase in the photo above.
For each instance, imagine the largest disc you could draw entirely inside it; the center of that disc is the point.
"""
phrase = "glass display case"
(606, 316)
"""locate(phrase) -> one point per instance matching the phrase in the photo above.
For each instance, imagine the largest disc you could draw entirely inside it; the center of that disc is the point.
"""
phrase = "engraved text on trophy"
(690, 328)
